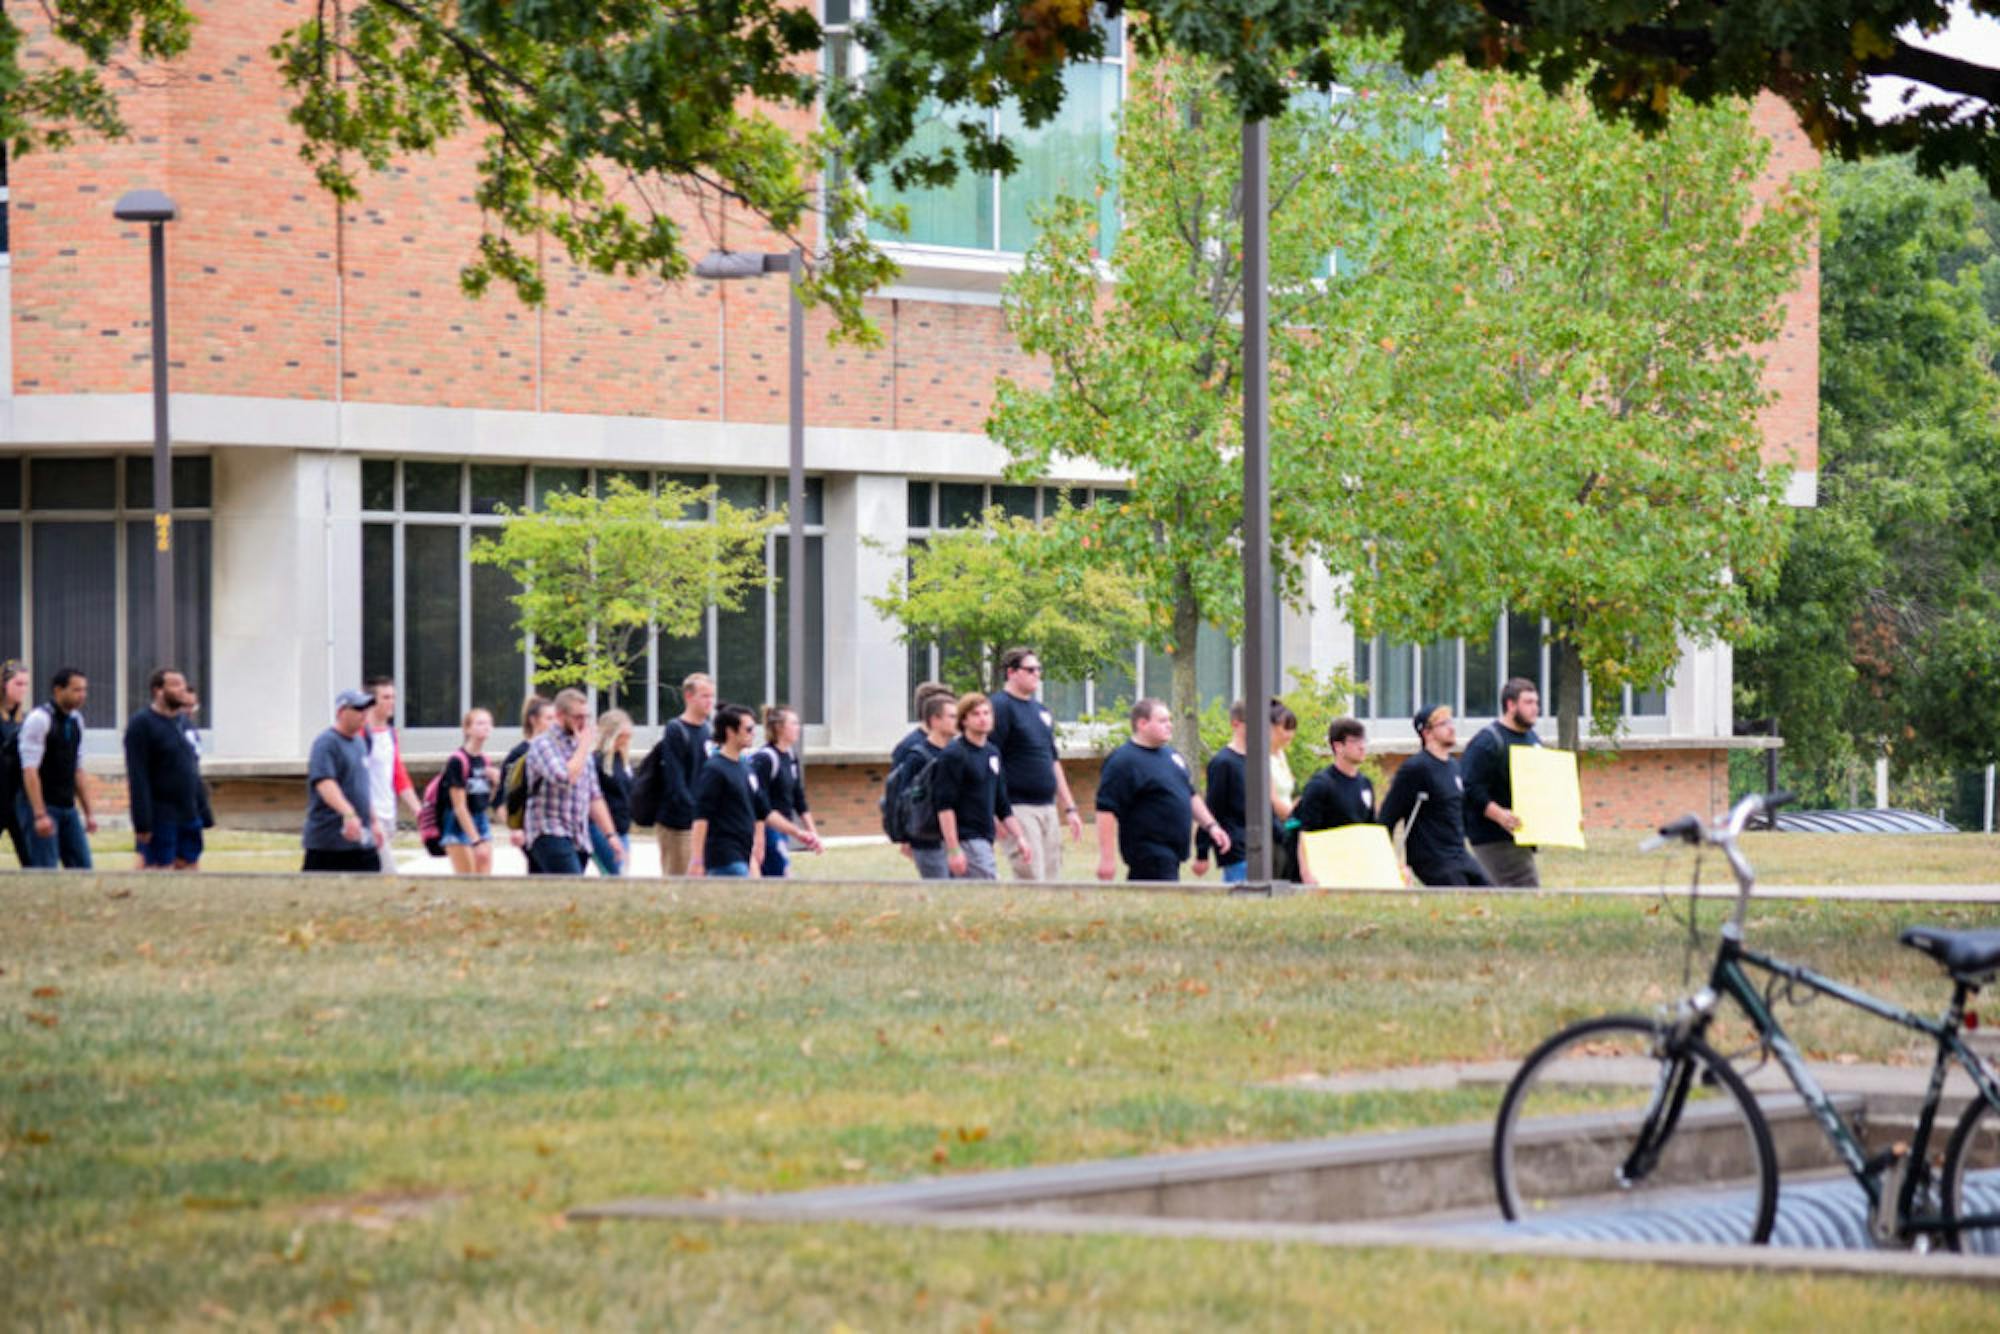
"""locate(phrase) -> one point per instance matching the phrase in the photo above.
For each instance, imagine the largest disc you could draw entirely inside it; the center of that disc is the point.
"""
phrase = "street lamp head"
(145, 206)
(725, 265)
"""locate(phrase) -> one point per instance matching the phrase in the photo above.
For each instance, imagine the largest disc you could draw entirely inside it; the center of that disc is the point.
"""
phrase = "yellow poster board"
(1546, 797)
(1356, 856)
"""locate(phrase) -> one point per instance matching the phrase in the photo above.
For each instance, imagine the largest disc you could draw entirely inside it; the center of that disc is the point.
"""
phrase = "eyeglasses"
(1032, 668)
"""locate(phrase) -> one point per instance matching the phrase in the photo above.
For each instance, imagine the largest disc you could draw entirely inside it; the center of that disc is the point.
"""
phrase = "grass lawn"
(273, 1102)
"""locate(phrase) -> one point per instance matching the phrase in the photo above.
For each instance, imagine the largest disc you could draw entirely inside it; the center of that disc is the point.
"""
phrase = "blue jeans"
(1236, 874)
(777, 860)
(172, 843)
(68, 846)
(731, 870)
(600, 852)
(554, 856)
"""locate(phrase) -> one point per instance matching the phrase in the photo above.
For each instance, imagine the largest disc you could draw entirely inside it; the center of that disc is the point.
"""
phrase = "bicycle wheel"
(1972, 1180)
(1604, 1136)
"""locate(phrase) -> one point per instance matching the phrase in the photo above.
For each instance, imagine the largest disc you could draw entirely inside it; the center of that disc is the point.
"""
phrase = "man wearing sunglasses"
(1024, 732)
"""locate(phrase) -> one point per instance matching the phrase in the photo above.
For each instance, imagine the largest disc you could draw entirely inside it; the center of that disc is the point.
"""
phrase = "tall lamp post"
(724, 266)
(1258, 659)
(153, 208)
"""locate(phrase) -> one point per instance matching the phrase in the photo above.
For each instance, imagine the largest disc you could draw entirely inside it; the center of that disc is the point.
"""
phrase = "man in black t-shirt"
(163, 778)
(971, 790)
(1338, 795)
(1146, 803)
(1490, 821)
(1429, 792)
(682, 751)
(729, 806)
(1024, 731)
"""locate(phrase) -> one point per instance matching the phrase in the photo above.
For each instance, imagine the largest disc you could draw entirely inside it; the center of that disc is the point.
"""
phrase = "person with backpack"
(784, 783)
(911, 745)
(969, 787)
(664, 786)
(458, 799)
(536, 714)
(614, 780)
(163, 779)
(53, 784)
(389, 782)
(14, 685)
(1490, 821)
(913, 791)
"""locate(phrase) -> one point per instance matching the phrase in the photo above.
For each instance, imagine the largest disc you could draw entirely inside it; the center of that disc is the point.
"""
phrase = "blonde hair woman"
(614, 779)
(467, 787)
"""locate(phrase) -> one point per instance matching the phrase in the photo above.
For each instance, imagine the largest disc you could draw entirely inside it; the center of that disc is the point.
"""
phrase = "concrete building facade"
(346, 422)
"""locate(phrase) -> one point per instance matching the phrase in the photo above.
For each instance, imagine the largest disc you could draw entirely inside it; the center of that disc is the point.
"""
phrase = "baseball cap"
(353, 699)
(1430, 714)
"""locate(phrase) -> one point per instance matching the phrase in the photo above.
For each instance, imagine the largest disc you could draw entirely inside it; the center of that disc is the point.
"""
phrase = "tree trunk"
(1567, 669)
(1186, 702)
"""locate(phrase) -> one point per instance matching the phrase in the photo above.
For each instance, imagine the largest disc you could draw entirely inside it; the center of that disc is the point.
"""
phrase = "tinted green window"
(920, 504)
(73, 484)
(960, 503)
(548, 481)
(378, 485)
(192, 483)
(431, 487)
(498, 484)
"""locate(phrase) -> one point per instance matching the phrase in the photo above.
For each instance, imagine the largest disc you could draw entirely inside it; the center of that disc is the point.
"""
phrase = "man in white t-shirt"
(388, 781)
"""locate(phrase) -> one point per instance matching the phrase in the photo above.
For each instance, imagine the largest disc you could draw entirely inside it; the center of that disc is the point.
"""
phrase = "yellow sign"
(163, 532)
(1356, 856)
(1546, 797)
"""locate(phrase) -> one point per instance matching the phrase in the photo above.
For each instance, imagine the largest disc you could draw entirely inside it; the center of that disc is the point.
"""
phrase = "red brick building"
(346, 421)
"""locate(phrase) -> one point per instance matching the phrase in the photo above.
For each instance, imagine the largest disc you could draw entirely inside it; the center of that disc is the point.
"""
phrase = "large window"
(446, 628)
(1399, 679)
(76, 575)
(985, 211)
(941, 506)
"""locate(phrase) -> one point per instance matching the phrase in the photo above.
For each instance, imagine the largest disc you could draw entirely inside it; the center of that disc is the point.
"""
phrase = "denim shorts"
(454, 837)
(173, 843)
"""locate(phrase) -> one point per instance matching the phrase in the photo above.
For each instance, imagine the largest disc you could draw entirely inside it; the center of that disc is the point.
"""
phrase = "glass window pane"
(378, 485)
(743, 490)
(497, 484)
(10, 590)
(960, 503)
(833, 13)
(191, 604)
(1214, 667)
(958, 214)
(10, 484)
(431, 561)
(813, 706)
(72, 484)
(548, 481)
(499, 666)
(1156, 673)
(1017, 501)
(1064, 698)
(378, 599)
(1650, 703)
(192, 482)
(919, 664)
(431, 487)
(1113, 688)
(920, 504)
(76, 609)
(678, 659)
(739, 653)
(1395, 680)
(636, 476)
(815, 500)
(1110, 496)
(1063, 157)
(692, 481)
(1363, 698)
(1482, 675)
(1440, 674)
(1524, 649)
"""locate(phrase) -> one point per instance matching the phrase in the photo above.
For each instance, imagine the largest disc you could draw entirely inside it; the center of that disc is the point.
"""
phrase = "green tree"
(983, 589)
(599, 573)
(1883, 632)
(47, 104)
(1147, 377)
(1551, 385)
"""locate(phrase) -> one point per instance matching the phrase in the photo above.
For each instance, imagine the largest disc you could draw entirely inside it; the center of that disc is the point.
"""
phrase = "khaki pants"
(1039, 855)
(676, 850)
(1508, 865)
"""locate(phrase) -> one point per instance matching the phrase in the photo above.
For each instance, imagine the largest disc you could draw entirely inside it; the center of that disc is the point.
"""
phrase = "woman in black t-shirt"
(467, 789)
(614, 780)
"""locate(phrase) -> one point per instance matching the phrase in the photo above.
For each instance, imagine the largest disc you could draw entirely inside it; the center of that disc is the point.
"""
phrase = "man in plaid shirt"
(563, 798)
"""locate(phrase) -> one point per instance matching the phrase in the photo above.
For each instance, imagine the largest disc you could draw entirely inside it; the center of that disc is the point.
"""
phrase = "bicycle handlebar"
(1723, 834)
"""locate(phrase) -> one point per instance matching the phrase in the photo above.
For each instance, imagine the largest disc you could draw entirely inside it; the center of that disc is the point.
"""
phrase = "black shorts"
(343, 859)
(1152, 864)
(1463, 873)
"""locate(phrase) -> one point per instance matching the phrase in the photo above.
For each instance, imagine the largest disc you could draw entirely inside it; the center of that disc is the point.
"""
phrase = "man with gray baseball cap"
(338, 833)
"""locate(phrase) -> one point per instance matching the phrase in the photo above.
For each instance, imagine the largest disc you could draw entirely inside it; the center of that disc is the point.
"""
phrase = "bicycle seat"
(1968, 954)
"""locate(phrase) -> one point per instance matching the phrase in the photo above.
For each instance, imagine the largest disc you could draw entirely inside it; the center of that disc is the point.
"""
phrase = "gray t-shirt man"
(344, 759)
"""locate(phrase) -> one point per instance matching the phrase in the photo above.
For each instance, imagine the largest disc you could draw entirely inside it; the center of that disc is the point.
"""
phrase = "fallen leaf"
(1001, 1040)
(46, 993)
(806, 1048)
(940, 1155)
(972, 1135)
(854, 1164)
(601, 1003)
(477, 1252)
(45, 1020)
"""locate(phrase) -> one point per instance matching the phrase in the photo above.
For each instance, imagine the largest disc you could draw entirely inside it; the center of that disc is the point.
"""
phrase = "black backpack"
(645, 796)
(909, 803)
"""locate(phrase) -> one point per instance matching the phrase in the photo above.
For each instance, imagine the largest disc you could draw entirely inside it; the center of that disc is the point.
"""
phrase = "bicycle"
(1568, 1147)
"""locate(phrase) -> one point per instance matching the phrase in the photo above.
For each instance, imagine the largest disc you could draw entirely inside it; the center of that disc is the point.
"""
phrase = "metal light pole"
(723, 266)
(1257, 655)
(153, 208)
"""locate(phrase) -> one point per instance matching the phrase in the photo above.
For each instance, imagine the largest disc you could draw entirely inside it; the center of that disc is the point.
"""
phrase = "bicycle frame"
(1729, 978)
